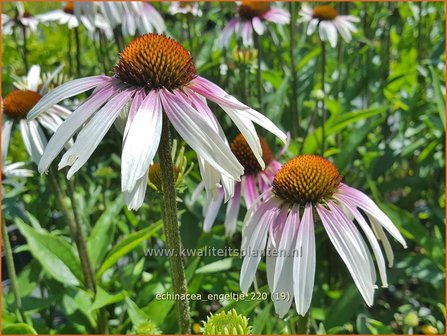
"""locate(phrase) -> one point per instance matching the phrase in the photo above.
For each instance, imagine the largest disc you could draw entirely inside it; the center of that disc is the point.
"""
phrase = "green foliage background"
(385, 132)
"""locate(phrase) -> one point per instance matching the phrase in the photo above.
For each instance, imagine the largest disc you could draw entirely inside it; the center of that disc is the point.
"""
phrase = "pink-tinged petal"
(365, 203)
(92, 134)
(66, 131)
(344, 32)
(346, 241)
(248, 130)
(142, 141)
(211, 178)
(255, 248)
(377, 227)
(369, 235)
(136, 102)
(253, 217)
(275, 230)
(313, 24)
(135, 197)
(214, 93)
(200, 136)
(227, 31)
(247, 32)
(304, 264)
(258, 26)
(283, 274)
(264, 122)
(277, 15)
(211, 210)
(196, 193)
(156, 19)
(65, 91)
(33, 78)
(250, 192)
(233, 211)
(6, 137)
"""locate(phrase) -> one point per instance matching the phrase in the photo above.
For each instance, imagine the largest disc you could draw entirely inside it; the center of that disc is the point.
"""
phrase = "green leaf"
(56, 256)
(344, 308)
(18, 329)
(103, 298)
(137, 316)
(439, 95)
(102, 234)
(126, 245)
(217, 266)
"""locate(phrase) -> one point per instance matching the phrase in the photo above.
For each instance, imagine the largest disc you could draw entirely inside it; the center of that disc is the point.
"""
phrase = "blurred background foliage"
(385, 132)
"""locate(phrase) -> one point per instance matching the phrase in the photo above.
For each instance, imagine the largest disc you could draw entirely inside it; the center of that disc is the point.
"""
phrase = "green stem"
(70, 59)
(171, 229)
(78, 51)
(302, 325)
(323, 109)
(25, 48)
(72, 219)
(293, 98)
(257, 41)
(12, 273)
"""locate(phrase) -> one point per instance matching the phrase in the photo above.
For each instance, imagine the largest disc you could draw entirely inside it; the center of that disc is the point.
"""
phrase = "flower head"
(306, 187)
(185, 7)
(22, 18)
(249, 19)
(256, 180)
(327, 19)
(226, 323)
(15, 107)
(64, 15)
(154, 75)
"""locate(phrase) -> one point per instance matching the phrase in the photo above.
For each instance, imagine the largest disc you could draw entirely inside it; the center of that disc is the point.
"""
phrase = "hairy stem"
(171, 229)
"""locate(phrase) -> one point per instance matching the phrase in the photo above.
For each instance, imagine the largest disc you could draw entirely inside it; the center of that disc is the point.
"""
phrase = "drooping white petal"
(304, 264)
(331, 34)
(33, 78)
(258, 26)
(365, 203)
(369, 235)
(66, 131)
(200, 136)
(142, 141)
(282, 279)
(65, 91)
(135, 197)
(345, 242)
(211, 210)
(255, 247)
(264, 122)
(92, 134)
(233, 211)
(50, 78)
(384, 239)
(6, 137)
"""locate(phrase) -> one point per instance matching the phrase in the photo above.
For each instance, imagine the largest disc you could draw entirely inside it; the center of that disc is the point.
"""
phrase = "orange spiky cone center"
(18, 103)
(245, 156)
(251, 9)
(325, 13)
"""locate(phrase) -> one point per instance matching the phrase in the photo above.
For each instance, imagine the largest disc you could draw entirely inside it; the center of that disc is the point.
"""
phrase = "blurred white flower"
(22, 18)
(327, 19)
(185, 7)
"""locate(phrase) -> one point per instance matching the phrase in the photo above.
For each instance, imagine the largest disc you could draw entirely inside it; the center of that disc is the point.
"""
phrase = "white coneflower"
(21, 18)
(185, 7)
(250, 18)
(305, 187)
(63, 16)
(328, 21)
(19, 102)
(154, 74)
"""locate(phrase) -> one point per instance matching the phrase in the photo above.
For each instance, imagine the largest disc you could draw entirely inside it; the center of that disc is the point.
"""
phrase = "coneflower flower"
(185, 7)
(133, 16)
(304, 188)
(64, 16)
(19, 102)
(255, 181)
(249, 19)
(154, 74)
(21, 18)
(328, 21)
